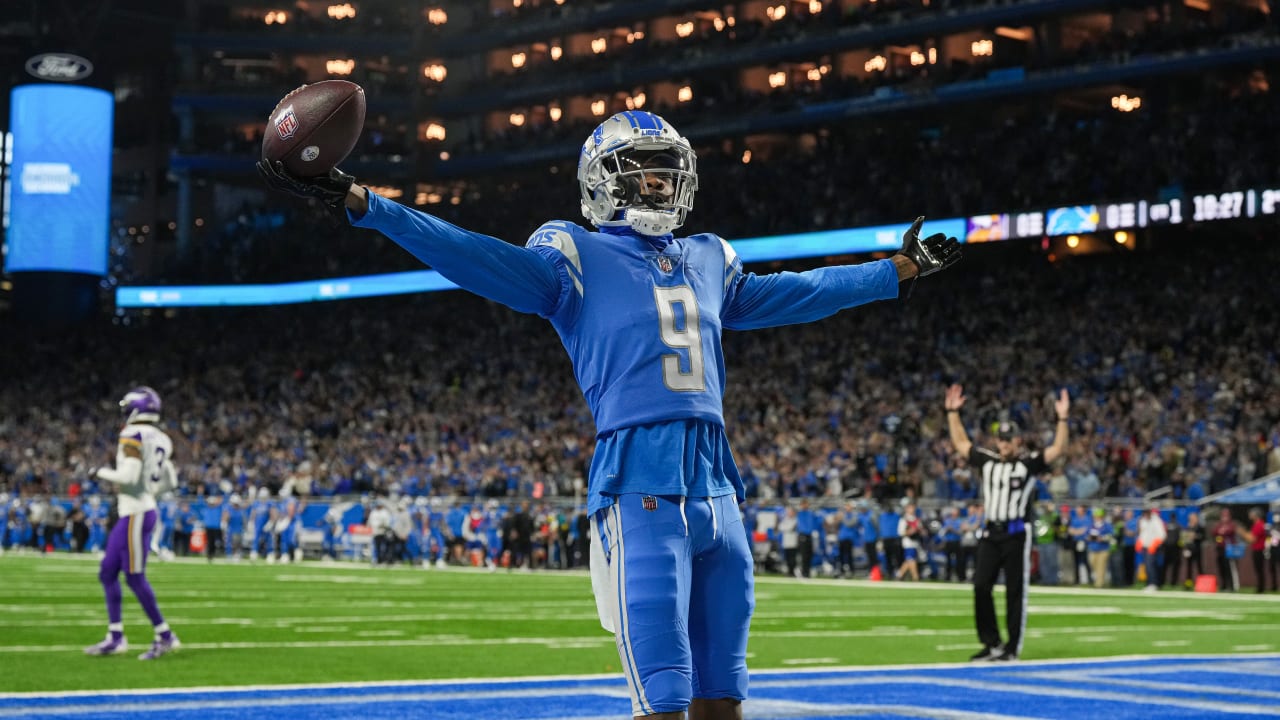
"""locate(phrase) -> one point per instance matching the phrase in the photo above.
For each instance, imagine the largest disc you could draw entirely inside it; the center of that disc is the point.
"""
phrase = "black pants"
(212, 542)
(804, 547)
(79, 537)
(1172, 564)
(998, 552)
(873, 557)
(1275, 568)
(893, 555)
(968, 558)
(952, 548)
(846, 557)
(789, 557)
(1130, 562)
(1259, 570)
(1226, 573)
(181, 542)
(1194, 564)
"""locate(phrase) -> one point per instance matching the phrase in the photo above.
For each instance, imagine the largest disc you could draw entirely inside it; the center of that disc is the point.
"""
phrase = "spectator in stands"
(1151, 538)
(1099, 538)
(1257, 539)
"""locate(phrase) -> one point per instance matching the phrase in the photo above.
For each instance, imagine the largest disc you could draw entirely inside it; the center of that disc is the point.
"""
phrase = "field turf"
(256, 624)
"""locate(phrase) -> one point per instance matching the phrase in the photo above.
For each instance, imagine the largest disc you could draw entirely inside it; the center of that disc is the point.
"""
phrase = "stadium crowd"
(1168, 352)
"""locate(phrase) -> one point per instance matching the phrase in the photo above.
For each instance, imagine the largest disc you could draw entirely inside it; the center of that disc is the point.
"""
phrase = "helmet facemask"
(645, 179)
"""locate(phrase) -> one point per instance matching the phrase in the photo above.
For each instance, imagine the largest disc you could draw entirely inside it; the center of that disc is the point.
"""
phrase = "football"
(315, 127)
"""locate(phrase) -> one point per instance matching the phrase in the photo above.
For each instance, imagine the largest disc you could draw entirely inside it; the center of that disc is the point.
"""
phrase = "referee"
(1005, 478)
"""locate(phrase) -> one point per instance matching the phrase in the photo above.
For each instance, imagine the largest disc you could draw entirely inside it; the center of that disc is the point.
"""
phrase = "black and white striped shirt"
(1006, 484)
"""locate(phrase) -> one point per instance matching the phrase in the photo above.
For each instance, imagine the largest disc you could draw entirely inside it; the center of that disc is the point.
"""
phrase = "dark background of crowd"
(1213, 137)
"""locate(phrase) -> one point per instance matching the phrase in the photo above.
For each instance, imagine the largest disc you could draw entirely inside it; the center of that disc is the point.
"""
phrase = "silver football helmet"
(636, 170)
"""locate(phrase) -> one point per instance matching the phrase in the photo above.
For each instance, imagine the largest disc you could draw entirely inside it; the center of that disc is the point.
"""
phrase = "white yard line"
(1101, 665)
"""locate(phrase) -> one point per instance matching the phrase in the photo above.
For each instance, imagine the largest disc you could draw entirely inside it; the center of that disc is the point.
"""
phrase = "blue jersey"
(641, 319)
(235, 520)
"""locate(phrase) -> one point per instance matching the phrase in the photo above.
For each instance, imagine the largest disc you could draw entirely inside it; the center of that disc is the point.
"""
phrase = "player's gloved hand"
(330, 189)
(934, 253)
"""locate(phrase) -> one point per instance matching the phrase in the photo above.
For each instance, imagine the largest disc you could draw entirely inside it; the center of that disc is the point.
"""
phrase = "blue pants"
(677, 591)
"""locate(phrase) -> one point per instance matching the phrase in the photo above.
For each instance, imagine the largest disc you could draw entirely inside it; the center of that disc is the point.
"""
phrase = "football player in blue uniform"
(640, 313)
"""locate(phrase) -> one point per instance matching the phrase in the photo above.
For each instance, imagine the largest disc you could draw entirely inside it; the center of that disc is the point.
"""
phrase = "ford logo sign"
(60, 67)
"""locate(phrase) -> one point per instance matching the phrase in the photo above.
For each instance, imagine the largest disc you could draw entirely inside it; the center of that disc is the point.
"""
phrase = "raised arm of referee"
(1005, 478)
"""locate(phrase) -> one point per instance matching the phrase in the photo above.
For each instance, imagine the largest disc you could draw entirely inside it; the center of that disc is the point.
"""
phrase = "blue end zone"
(1167, 687)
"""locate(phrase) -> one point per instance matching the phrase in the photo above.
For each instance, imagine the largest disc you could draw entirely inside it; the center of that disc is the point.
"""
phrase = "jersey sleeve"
(979, 457)
(1035, 463)
(557, 242)
(759, 301)
(516, 277)
(128, 469)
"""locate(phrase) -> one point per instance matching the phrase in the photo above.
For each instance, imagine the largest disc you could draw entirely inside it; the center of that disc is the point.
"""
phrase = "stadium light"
(876, 64)
(276, 17)
(435, 72)
(556, 52)
(640, 99)
(517, 60)
(1124, 103)
(778, 79)
(814, 75)
(933, 56)
(444, 155)
(917, 58)
(746, 156)
(684, 29)
(517, 3)
(1073, 241)
(1122, 237)
(718, 24)
(339, 67)
(982, 48)
(599, 45)
(776, 13)
(516, 119)
(731, 20)
(597, 108)
(815, 7)
(684, 94)
(345, 11)
(437, 16)
(555, 113)
(433, 131)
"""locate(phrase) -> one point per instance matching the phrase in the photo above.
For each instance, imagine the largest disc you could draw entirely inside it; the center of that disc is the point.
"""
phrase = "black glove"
(934, 253)
(330, 189)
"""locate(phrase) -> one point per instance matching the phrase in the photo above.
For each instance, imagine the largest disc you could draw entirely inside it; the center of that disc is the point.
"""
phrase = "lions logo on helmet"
(636, 170)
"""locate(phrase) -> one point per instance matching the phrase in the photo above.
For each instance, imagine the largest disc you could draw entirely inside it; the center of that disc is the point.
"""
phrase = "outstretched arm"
(759, 301)
(959, 438)
(519, 278)
(1059, 446)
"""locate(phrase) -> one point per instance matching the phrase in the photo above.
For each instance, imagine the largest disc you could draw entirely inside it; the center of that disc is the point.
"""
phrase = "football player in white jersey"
(143, 470)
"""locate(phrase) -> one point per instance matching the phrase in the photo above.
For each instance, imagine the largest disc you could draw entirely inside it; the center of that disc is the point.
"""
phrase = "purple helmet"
(139, 401)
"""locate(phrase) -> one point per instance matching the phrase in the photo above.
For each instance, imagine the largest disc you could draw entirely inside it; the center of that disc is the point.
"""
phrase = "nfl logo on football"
(287, 123)
(649, 502)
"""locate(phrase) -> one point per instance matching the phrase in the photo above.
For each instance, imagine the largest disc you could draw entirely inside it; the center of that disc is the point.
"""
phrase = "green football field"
(261, 624)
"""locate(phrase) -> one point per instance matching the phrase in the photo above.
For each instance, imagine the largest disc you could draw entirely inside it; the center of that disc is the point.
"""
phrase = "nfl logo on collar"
(649, 502)
(665, 264)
